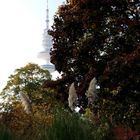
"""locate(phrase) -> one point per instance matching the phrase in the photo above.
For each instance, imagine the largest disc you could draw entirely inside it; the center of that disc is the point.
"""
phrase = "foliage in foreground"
(73, 126)
(5, 133)
(65, 125)
(69, 126)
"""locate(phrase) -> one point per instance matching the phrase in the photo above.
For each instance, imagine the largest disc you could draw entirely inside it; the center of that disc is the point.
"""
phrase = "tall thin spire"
(47, 16)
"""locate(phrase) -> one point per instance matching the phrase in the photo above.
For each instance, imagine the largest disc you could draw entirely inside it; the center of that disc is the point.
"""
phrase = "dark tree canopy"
(99, 38)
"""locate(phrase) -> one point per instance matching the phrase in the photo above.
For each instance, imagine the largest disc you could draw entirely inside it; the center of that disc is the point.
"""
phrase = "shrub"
(5, 133)
(69, 126)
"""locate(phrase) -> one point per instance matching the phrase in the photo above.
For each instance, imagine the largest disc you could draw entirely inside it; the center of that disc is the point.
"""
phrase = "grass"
(5, 133)
(65, 126)
(69, 126)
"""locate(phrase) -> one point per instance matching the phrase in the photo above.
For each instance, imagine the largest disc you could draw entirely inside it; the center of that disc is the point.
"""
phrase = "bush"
(5, 133)
(69, 126)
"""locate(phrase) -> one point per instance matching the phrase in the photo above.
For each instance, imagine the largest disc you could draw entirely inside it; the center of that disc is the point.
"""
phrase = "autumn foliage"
(100, 38)
(92, 39)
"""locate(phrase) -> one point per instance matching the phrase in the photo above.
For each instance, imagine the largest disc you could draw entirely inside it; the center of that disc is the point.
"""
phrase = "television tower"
(47, 44)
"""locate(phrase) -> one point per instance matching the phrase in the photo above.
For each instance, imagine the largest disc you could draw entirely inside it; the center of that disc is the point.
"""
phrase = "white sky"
(21, 27)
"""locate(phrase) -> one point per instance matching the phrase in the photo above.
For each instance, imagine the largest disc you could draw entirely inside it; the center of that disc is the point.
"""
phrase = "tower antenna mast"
(47, 16)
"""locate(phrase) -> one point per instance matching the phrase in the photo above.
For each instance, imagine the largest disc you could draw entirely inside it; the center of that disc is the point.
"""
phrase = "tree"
(100, 38)
(27, 80)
